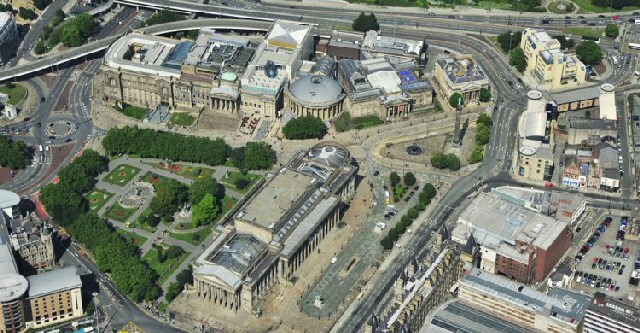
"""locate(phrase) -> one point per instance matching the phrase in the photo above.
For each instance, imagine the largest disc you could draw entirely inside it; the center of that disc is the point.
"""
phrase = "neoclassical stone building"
(277, 228)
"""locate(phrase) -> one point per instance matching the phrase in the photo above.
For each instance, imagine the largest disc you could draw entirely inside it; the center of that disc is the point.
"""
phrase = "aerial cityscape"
(343, 166)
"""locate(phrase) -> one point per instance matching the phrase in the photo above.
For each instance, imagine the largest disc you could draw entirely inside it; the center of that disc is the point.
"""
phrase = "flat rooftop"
(495, 221)
(275, 199)
(584, 123)
(309, 224)
(8, 199)
(562, 305)
(462, 70)
(456, 317)
(158, 49)
(53, 281)
(620, 311)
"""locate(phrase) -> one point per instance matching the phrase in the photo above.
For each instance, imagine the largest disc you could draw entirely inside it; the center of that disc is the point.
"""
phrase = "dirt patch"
(63, 101)
(5, 175)
(49, 79)
(600, 68)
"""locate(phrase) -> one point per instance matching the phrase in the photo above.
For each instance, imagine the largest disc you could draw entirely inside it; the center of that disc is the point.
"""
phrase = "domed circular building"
(314, 95)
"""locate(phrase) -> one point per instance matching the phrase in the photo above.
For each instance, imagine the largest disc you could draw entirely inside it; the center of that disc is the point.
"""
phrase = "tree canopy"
(170, 196)
(27, 14)
(303, 128)
(64, 201)
(258, 156)
(164, 16)
(612, 30)
(409, 179)
(14, 154)
(159, 144)
(41, 4)
(456, 100)
(203, 186)
(441, 160)
(205, 211)
(589, 52)
(76, 30)
(394, 178)
(517, 59)
(565, 43)
(509, 40)
(485, 95)
(365, 22)
(116, 256)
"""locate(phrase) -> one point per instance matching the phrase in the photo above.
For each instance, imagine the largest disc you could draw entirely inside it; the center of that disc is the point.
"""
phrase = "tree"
(485, 95)
(6, 8)
(508, 40)
(565, 43)
(589, 52)
(236, 156)
(161, 17)
(409, 179)
(27, 14)
(456, 100)
(170, 196)
(203, 186)
(259, 156)
(482, 135)
(159, 144)
(205, 211)
(429, 190)
(386, 243)
(412, 213)
(394, 178)
(441, 160)
(14, 154)
(241, 182)
(476, 155)
(71, 36)
(485, 119)
(612, 31)
(174, 252)
(365, 23)
(518, 60)
(41, 4)
(303, 128)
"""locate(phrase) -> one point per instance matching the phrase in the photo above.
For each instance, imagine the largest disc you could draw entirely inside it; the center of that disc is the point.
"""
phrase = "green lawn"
(166, 268)
(97, 198)
(122, 175)
(153, 178)
(230, 178)
(586, 6)
(395, 3)
(142, 222)
(133, 111)
(227, 204)
(17, 93)
(173, 268)
(585, 31)
(120, 213)
(495, 5)
(182, 119)
(185, 170)
(132, 237)
(346, 123)
(191, 237)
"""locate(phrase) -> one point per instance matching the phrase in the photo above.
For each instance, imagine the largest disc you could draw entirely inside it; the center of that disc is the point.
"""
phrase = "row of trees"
(303, 128)
(6, 7)
(589, 52)
(65, 202)
(41, 4)
(116, 256)
(77, 30)
(424, 199)
(483, 134)
(14, 154)
(161, 17)
(617, 5)
(175, 288)
(409, 179)
(441, 160)
(509, 40)
(27, 14)
(178, 147)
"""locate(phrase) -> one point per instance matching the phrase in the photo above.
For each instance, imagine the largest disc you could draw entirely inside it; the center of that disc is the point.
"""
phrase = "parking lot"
(608, 263)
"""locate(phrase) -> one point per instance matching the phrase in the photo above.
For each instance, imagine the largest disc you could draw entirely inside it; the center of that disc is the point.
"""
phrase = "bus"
(634, 46)
(40, 148)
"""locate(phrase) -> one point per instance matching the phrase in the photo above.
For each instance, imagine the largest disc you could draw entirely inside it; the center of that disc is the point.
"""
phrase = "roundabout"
(59, 129)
